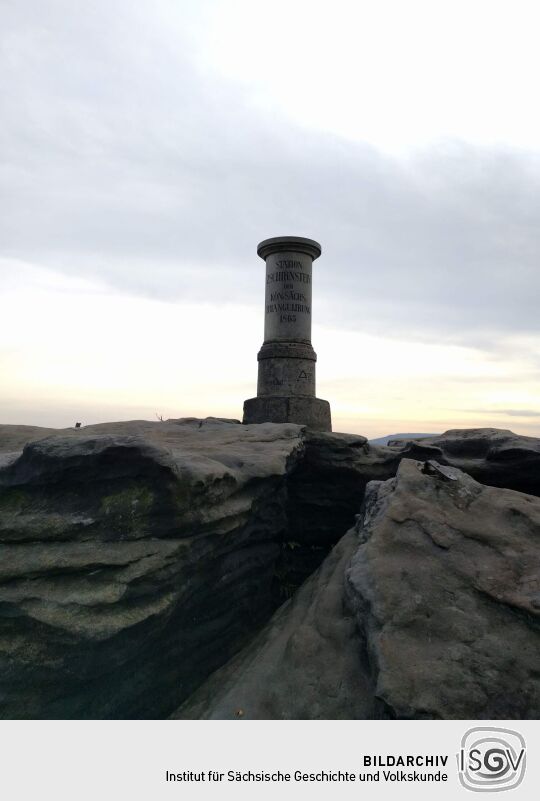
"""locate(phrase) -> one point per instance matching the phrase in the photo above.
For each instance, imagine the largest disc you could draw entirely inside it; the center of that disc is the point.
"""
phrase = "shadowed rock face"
(324, 492)
(429, 608)
(309, 662)
(490, 455)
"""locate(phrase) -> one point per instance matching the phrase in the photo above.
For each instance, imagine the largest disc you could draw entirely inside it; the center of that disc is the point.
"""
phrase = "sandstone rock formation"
(492, 456)
(309, 662)
(429, 608)
(446, 589)
(138, 558)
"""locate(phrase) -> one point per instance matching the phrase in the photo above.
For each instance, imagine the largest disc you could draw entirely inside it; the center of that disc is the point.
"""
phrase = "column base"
(302, 409)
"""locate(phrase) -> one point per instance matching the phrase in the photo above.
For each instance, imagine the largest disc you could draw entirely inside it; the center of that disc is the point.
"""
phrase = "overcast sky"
(146, 148)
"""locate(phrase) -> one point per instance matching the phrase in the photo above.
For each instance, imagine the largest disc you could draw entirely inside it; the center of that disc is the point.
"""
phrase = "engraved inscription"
(304, 375)
(275, 296)
(288, 275)
(288, 307)
(288, 302)
(288, 299)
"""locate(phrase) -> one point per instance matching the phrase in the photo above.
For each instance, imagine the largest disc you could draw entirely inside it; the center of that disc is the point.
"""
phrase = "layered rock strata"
(136, 558)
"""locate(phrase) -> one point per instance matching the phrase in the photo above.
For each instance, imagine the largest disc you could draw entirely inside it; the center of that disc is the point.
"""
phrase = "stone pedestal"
(311, 412)
(286, 380)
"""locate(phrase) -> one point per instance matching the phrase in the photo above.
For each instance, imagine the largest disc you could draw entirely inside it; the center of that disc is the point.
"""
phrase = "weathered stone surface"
(132, 565)
(446, 588)
(286, 384)
(286, 369)
(308, 663)
(324, 494)
(311, 412)
(135, 558)
(434, 616)
(492, 456)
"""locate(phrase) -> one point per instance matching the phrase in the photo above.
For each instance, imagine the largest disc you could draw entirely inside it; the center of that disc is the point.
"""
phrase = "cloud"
(124, 159)
(509, 412)
(521, 413)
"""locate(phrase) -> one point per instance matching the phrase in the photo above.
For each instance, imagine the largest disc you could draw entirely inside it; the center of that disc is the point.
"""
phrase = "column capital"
(292, 244)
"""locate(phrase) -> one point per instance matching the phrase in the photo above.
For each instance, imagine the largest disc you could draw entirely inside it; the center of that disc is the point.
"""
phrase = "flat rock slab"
(223, 442)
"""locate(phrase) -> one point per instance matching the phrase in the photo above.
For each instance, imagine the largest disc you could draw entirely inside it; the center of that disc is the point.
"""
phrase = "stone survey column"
(286, 383)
